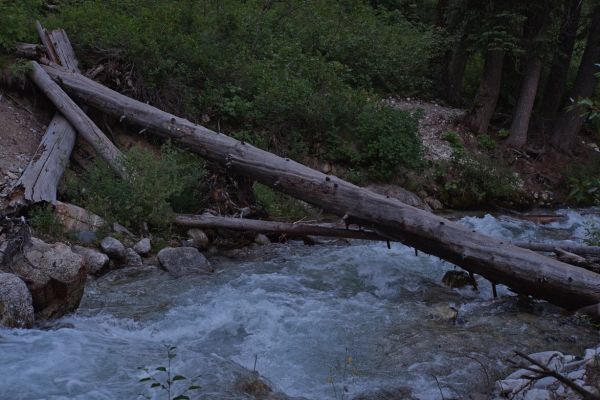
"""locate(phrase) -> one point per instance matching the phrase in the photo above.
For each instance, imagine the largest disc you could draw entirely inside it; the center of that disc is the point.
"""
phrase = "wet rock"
(257, 387)
(520, 374)
(16, 308)
(402, 393)
(181, 261)
(457, 279)
(198, 237)
(262, 240)
(435, 204)
(87, 237)
(551, 359)
(133, 258)
(509, 387)
(545, 383)
(95, 261)
(401, 194)
(54, 275)
(538, 394)
(143, 247)
(444, 312)
(113, 248)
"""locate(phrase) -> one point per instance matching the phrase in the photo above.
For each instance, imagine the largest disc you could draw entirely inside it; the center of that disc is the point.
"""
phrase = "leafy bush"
(389, 139)
(583, 182)
(279, 205)
(17, 25)
(44, 222)
(155, 186)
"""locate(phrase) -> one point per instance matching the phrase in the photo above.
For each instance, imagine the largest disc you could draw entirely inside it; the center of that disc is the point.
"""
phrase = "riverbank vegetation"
(306, 80)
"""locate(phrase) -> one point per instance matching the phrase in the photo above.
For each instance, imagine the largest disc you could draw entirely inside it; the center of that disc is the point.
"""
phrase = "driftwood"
(78, 119)
(522, 270)
(555, 247)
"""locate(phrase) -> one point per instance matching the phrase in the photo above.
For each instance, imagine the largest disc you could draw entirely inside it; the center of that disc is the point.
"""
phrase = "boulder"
(54, 275)
(181, 261)
(113, 248)
(143, 247)
(95, 262)
(16, 307)
(396, 192)
(198, 237)
(262, 239)
(76, 219)
(133, 258)
(458, 279)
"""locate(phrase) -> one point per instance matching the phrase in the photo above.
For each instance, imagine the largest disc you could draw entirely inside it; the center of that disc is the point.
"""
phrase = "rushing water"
(296, 314)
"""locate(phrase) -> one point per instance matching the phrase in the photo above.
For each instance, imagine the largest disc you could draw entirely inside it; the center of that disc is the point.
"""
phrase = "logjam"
(78, 119)
(524, 271)
(39, 181)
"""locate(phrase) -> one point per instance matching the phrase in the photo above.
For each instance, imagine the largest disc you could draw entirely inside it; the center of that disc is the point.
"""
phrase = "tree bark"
(570, 120)
(39, 181)
(480, 115)
(78, 119)
(500, 262)
(456, 73)
(557, 78)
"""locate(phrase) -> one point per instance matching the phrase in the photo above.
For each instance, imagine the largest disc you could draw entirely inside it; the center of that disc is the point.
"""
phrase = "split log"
(78, 119)
(554, 247)
(209, 221)
(39, 181)
(522, 270)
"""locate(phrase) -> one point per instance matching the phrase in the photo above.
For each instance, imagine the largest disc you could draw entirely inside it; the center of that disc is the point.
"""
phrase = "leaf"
(179, 378)
(163, 369)
(194, 387)
(145, 379)
(181, 397)
(155, 384)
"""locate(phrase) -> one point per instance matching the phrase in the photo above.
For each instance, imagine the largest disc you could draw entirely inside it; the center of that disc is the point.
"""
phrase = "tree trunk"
(478, 119)
(570, 120)
(75, 115)
(500, 262)
(39, 181)
(456, 73)
(557, 78)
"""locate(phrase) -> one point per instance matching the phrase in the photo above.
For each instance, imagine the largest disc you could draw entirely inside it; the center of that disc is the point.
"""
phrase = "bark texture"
(481, 113)
(500, 262)
(570, 120)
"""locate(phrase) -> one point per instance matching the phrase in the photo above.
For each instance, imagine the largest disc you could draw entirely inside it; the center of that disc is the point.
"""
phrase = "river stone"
(16, 308)
(538, 394)
(262, 239)
(511, 386)
(113, 248)
(133, 258)
(545, 383)
(198, 237)
(54, 275)
(551, 359)
(143, 247)
(457, 279)
(181, 261)
(405, 196)
(95, 262)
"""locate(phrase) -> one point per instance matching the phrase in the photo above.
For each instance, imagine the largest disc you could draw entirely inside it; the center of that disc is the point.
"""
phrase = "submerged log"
(524, 271)
(78, 119)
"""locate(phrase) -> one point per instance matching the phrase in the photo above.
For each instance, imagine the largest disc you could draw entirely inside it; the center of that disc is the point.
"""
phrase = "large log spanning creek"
(296, 313)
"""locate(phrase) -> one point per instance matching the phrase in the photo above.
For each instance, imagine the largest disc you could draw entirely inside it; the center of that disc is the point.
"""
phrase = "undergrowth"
(155, 187)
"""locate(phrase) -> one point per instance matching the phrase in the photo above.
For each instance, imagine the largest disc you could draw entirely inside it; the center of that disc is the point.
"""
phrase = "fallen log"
(554, 247)
(209, 221)
(522, 270)
(78, 119)
(39, 181)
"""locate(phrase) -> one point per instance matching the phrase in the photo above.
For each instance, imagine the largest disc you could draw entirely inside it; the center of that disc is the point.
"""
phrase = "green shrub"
(17, 25)
(281, 206)
(154, 188)
(388, 139)
(583, 182)
(43, 221)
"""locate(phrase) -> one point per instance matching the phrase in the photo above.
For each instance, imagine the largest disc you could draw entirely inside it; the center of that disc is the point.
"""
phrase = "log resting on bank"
(524, 271)
(39, 181)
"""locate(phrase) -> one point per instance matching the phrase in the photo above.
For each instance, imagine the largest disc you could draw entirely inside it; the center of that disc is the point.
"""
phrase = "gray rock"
(87, 237)
(519, 374)
(551, 359)
(16, 307)
(95, 261)
(538, 394)
(55, 277)
(198, 237)
(181, 261)
(118, 228)
(545, 383)
(133, 258)
(143, 247)
(262, 239)
(401, 194)
(113, 248)
(510, 386)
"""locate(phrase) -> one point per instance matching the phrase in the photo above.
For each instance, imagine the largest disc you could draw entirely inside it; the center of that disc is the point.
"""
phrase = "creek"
(319, 322)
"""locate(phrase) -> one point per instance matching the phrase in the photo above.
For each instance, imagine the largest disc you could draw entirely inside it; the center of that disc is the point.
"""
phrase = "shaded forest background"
(306, 79)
